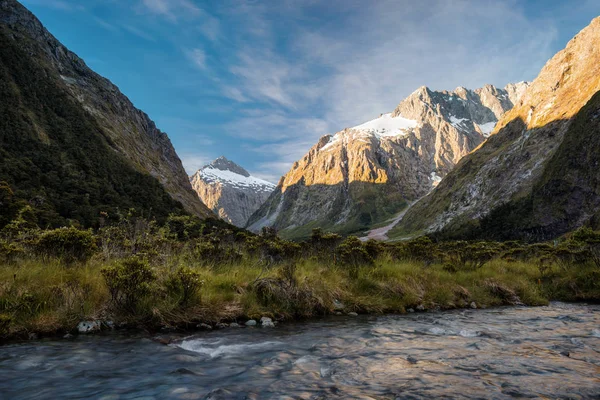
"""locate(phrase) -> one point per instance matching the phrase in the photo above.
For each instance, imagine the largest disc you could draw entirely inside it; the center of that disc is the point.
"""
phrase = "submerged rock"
(89, 326)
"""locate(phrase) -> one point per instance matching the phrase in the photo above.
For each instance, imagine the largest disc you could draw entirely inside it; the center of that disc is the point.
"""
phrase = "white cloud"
(192, 162)
(198, 58)
(139, 33)
(331, 77)
(172, 9)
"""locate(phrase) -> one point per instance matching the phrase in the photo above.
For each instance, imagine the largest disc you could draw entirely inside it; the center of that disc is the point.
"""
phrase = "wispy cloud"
(332, 77)
(57, 4)
(197, 57)
(172, 9)
(139, 33)
(192, 162)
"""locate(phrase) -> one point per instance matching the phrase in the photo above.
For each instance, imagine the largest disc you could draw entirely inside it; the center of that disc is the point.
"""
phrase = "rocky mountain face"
(67, 127)
(537, 176)
(364, 175)
(230, 191)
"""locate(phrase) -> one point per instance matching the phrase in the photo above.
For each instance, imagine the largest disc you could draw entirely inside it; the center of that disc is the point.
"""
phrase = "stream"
(499, 353)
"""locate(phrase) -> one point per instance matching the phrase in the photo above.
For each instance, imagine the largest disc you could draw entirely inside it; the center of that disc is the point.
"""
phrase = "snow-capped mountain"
(536, 178)
(366, 174)
(230, 191)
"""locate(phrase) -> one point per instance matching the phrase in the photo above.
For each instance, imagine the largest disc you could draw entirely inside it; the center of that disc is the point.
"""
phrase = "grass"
(49, 298)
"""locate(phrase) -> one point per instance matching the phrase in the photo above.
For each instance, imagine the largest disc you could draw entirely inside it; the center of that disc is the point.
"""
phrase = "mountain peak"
(223, 164)
(230, 191)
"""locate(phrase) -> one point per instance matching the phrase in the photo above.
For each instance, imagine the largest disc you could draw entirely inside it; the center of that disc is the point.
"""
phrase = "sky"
(260, 81)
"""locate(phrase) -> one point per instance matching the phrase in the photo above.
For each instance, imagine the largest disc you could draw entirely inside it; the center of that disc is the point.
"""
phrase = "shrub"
(186, 284)
(419, 249)
(5, 321)
(128, 282)
(9, 252)
(211, 252)
(353, 254)
(68, 244)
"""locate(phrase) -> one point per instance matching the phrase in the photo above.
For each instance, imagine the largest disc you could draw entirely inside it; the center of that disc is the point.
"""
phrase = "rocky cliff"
(59, 104)
(537, 176)
(364, 175)
(230, 191)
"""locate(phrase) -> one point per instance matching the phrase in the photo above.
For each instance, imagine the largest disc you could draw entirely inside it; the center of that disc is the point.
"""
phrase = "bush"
(9, 252)
(186, 284)
(419, 249)
(353, 254)
(128, 282)
(5, 322)
(68, 244)
(462, 255)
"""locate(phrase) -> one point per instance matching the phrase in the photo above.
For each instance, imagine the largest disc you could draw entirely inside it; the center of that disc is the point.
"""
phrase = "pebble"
(204, 327)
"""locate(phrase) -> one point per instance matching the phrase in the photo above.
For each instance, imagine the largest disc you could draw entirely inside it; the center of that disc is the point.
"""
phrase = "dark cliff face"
(74, 135)
(536, 178)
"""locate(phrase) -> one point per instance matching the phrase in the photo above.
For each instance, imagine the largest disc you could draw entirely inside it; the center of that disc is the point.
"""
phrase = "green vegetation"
(55, 156)
(137, 272)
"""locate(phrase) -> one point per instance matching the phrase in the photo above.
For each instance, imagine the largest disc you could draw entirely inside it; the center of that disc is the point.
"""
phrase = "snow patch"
(487, 128)
(386, 126)
(458, 122)
(435, 178)
(332, 140)
(209, 174)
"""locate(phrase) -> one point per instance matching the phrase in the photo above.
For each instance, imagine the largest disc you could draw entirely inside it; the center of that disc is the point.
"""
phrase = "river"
(498, 353)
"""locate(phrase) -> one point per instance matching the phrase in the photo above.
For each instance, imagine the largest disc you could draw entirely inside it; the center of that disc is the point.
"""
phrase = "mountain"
(537, 176)
(364, 175)
(230, 191)
(71, 143)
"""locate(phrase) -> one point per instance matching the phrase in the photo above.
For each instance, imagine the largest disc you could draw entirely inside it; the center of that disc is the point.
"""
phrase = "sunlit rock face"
(365, 174)
(537, 176)
(230, 191)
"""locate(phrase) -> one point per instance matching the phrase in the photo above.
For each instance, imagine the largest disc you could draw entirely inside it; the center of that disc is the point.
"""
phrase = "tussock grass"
(49, 297)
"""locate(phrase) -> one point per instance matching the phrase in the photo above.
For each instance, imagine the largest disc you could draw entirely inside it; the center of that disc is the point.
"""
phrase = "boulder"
(251, 322)
(89, 326)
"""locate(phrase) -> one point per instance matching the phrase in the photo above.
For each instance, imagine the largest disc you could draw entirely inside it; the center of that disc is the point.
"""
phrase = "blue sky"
(261, 81)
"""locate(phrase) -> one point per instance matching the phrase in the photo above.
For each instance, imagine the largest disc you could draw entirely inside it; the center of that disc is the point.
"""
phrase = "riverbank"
(51, 299)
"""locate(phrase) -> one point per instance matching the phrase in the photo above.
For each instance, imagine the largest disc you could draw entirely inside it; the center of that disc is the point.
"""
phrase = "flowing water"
(546, 352)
